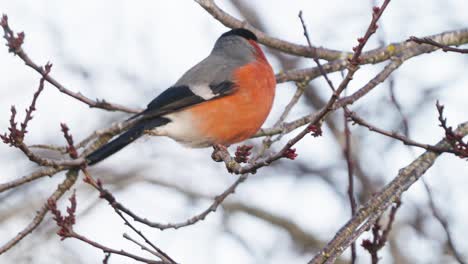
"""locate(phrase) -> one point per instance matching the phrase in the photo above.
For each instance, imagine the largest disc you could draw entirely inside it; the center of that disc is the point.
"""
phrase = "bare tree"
(330, 115)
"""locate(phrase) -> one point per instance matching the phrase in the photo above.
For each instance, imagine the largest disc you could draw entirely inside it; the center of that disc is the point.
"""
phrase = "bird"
(222, 100)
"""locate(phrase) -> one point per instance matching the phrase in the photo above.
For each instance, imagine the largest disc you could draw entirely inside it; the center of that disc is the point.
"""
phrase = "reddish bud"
(70, 148)
(315, 130)
(5, 138)
(65, 223)
(15, 43)
(290, 154)
(454, 139)
(70, 219)
(242, 153)
(376, 9)
(367, 244)
(360, 40)
(20, 37)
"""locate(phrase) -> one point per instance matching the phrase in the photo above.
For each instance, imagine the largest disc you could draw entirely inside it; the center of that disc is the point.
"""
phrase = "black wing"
(179, 97)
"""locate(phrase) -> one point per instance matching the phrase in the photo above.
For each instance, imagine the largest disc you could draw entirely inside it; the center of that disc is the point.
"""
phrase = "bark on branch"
(371, 210)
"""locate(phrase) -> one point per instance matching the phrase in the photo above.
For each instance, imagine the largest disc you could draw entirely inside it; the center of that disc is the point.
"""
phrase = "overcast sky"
(129, 51)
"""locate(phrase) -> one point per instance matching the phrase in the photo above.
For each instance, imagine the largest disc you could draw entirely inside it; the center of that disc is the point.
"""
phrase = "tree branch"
(49, 171)
(371, 210)
(199, 217)
(285, 46)
(407, 141)
(406, 50)
(15, 47)
(390, 52)
(444, 47)
(69, 181)
(443, 222)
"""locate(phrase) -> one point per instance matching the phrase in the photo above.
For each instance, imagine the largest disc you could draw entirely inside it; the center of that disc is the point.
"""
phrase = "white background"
(129, 51)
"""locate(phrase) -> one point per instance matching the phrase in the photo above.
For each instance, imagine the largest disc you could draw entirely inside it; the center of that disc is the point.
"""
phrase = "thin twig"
(456, 141)
(61, 189)
(199, 217)
(347, 147)
(106, 249)
(285, 46)
(49, 171)
(372, 56)
(400, 53)
(380, 236)
(314, 54)
(358, 120)
(60, 149)
(16, 137)
(287, 150)
(268, 141)
(143, 247)
(49, 162)
(443, 222)
(18, 50)
(161, 254)
(397, 105)
(371, 210)
(437, 44)
(67, 222)
(338, 59)
(350, 165)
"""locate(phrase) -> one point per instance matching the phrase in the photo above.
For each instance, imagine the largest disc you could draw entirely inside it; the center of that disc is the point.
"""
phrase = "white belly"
(182, 129)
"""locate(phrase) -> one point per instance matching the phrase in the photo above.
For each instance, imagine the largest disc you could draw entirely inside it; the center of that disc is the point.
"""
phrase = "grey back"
(228, 54)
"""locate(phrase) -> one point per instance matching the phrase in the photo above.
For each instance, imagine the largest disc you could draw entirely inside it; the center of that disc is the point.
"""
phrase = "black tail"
(124, 139)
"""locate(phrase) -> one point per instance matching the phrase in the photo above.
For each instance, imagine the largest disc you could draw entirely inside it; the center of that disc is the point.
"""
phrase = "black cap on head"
(242, 32)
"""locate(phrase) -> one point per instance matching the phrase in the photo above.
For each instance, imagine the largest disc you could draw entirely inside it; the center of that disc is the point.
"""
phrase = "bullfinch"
(224, 99)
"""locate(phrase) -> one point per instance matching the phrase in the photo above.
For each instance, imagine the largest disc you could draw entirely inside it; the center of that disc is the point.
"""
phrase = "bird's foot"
(217, 148)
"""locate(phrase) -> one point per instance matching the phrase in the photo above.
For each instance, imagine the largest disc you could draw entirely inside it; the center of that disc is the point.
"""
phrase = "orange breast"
(236, 117)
